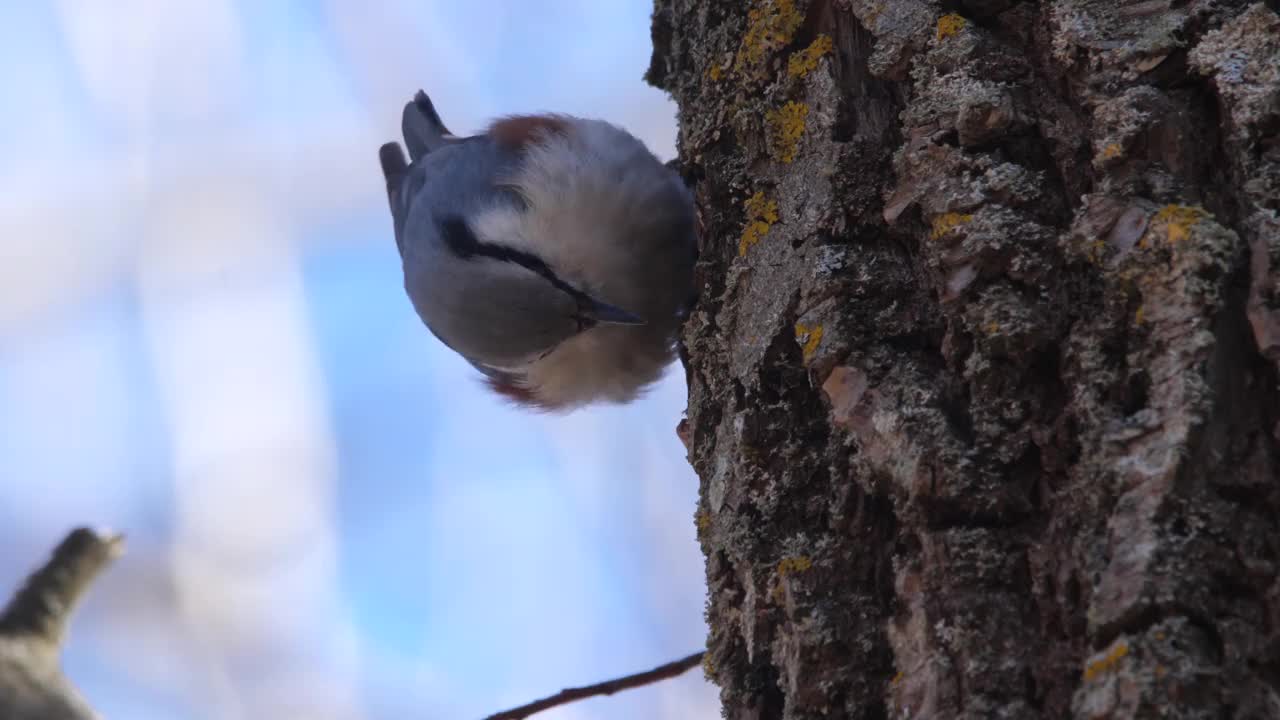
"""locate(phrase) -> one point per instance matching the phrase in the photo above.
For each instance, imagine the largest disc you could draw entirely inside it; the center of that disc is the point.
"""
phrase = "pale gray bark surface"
(983, 375)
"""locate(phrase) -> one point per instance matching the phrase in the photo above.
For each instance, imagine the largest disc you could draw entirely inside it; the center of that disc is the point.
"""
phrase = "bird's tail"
(422, 128)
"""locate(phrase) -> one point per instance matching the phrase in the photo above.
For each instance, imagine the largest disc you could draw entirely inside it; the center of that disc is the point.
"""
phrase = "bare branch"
(34, 625)
(41, 608)
(568, 695)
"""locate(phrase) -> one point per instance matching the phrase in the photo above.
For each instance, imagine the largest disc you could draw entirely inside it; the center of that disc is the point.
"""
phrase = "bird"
(554, 253)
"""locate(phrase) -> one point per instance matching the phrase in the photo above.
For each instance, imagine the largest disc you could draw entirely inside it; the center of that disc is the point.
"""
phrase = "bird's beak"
(599, 312)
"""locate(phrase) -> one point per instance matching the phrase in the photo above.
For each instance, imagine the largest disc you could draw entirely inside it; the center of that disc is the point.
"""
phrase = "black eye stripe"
(461, 241)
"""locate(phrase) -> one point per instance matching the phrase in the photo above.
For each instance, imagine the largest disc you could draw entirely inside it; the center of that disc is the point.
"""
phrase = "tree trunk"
(983, 373)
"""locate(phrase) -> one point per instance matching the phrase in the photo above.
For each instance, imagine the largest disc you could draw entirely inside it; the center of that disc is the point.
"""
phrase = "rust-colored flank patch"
(516, 393)
(517, 131)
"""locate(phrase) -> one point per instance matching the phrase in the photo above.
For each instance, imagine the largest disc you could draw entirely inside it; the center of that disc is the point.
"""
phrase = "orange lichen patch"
(770, 27)
(1107, 662)
(791, 565)
(762, 213)
(516, 131)
(811, 337)
(896, 678)
(1140, 316)
(945, 222)
(715, 72)
(806, 61)
(786, 125)
(949, 25)
(992, 327)
(1112, 151)
(1178, 220)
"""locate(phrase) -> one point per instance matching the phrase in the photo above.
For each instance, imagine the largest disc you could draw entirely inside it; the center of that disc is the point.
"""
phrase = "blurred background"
(204, 343)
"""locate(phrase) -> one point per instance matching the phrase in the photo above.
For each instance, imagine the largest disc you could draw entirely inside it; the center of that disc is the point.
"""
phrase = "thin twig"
(568, 695)
(42, 606)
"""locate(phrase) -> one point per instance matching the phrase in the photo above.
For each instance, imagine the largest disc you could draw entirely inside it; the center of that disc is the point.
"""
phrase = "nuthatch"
(553, 253)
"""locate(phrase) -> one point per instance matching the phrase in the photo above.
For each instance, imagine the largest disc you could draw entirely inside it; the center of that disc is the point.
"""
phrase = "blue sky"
(204, 343)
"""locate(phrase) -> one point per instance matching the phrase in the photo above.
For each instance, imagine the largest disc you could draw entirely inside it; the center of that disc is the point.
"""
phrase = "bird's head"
(501, 307)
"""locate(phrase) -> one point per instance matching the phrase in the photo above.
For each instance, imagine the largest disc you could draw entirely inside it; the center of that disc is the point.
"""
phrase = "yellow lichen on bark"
(806, 61)
(791, 565)
(811, 337)
(770, 27)
(945, 222)
(1106, 662)
(949, 25)
(786, 126)
(762, 213)
(702, 520)
(1178, 221)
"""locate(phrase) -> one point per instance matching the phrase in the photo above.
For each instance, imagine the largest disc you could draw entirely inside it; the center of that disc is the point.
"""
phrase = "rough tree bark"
(983, 374)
